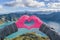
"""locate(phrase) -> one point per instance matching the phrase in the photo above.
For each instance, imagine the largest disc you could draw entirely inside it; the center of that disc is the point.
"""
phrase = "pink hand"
(21, 22)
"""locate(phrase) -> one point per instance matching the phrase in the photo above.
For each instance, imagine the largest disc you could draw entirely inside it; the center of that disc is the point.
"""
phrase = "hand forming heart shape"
(21, 22)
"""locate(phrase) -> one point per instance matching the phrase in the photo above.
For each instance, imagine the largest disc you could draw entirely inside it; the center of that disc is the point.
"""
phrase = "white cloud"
(2, 10)
(54, 5)
(31, 3)
(36, 4)
(46, 9)
(25, 3)
(54, 25)
(1, 7)
(46, 0)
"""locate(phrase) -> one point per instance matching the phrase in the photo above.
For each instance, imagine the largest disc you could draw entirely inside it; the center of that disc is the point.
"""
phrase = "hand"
(21, 22)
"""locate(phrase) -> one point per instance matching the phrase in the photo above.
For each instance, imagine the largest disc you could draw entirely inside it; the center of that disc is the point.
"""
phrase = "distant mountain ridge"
(54, 16)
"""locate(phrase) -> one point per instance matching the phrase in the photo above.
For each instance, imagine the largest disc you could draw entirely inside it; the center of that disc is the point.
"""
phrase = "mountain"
(48, 16)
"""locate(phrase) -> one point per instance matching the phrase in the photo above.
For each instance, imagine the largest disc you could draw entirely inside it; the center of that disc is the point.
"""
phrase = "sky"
(7, 6)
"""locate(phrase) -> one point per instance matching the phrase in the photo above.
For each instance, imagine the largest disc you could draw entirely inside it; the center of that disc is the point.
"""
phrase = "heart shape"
(29, 23)
(21, 22)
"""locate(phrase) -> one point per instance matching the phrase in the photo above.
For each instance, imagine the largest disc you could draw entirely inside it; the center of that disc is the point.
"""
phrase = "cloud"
(30, 5)
(46, 0)
(45, 10)
(25, 3)
(54, 25)
(54, 5)
(1, 7)
(2, 10)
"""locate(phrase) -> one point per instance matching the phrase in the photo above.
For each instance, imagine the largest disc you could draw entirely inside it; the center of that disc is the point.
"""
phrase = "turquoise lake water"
(21, 31)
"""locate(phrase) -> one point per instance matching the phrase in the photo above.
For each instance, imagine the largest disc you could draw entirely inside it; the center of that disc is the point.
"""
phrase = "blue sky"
(7, 6)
